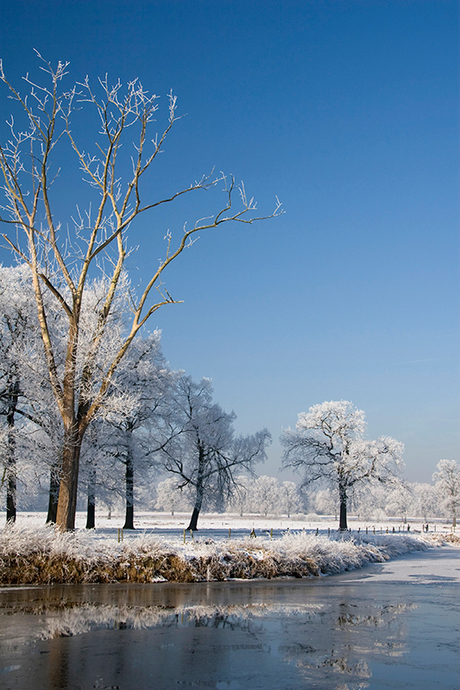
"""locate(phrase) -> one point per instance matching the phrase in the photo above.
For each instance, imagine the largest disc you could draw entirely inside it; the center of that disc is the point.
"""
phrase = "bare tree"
(200, 448)
(62, 262)
(328, 445)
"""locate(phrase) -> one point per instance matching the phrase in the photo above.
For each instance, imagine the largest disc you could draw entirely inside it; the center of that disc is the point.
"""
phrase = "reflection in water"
(65, 619)
(235, 636)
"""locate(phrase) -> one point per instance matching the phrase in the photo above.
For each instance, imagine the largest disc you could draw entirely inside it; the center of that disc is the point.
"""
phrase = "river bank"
(41, 555)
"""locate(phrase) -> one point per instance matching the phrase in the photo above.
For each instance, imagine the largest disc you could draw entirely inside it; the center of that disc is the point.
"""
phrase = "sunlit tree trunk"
(67, 504)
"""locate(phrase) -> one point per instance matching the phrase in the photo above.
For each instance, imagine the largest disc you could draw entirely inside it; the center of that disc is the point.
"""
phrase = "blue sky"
(348, 111)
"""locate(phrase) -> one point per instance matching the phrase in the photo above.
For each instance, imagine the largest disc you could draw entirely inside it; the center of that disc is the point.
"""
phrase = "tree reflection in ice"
(66, 621)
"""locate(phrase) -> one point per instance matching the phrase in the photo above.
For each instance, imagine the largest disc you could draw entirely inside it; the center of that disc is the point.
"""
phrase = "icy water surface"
(387, 626)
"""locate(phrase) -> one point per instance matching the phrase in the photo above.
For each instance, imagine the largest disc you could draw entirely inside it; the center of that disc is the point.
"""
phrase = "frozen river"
(386, 626)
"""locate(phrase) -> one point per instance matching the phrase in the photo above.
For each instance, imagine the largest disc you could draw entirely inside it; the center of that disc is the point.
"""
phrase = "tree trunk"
(129, 478)
(67, 504)
(343, 509)
(199, 491)
(11, 493)
(53, 494)
(91, 505)
(13, 395)
(194, 519)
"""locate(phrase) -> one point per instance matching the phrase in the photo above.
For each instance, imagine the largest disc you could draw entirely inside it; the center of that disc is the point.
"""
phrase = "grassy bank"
(30, 555)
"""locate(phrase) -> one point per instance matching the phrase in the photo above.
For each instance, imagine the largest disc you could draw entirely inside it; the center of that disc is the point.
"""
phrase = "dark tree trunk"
(129, 478)
(11, 494)
(91, 505)
(91, 512)
(13, 395)
(193, 526)
(53, 494)
(343, 509)
(194, 520)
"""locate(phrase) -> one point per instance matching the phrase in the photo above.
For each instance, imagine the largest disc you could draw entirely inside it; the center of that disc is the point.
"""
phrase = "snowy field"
(226, 547)
(217, 526)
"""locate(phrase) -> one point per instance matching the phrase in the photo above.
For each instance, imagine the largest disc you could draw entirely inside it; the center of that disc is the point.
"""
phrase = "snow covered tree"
(266, 495)
(26, 402)
(399, 501)
(328, 446)
(115, 159)
(170, 497)
(145, 383)
(15, 324)
(323, 501)
(447, 478)
(426, 499)
(290, 500)
(241, 498)
(199, 446)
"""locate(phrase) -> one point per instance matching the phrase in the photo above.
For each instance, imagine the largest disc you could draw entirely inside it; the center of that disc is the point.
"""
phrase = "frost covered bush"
(34, 556)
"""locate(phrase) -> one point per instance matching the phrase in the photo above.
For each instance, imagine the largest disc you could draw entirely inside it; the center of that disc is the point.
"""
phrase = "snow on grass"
(42, 555)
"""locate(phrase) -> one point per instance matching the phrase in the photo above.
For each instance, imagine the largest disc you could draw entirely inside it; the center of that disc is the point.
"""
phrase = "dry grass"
(44, 556)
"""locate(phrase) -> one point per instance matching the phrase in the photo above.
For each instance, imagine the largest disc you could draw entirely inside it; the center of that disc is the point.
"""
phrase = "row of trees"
(261, 495)
(153, 420)
(157, 420)
(266, 495)
(107, 133)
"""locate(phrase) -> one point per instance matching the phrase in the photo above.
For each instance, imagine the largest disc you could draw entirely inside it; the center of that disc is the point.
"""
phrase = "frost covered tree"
(15, 325)
(323, 501)
(199, 446)
(400, 501)
(170, 497)
(447, 478)
(266, 495)
(108, 130)
(23, 357)
(290, 500)
(144, 382)
(31, 427)
(328, 445)
(427, 502)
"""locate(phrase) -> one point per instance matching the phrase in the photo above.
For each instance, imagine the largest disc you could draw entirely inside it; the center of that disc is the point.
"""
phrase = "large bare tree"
(63, 261)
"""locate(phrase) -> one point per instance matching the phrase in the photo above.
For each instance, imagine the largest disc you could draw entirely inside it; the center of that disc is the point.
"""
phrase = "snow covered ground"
(217, 525)
(225, 547)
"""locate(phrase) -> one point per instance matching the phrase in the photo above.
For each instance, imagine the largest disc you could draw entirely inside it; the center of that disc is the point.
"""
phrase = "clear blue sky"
(348, 111)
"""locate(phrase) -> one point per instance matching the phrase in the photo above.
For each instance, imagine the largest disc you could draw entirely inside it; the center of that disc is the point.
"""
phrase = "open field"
(217, 525)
